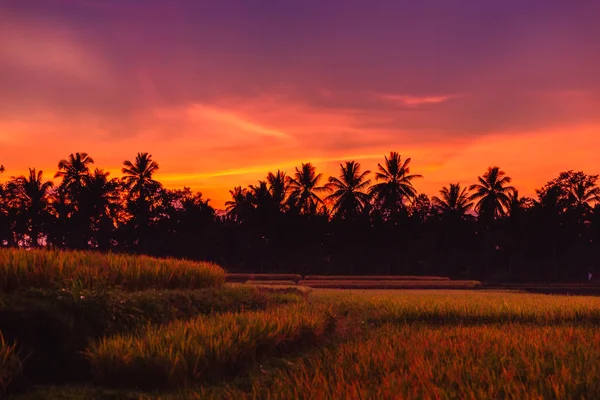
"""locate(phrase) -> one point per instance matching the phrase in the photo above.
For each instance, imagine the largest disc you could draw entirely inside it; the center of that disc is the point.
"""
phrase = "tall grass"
(184, 353)
(21, 269)
(11, 365)
(420, 362)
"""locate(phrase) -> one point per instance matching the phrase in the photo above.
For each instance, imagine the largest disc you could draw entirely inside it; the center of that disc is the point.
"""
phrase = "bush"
(24, 269)
(206, 348)
(55, 326)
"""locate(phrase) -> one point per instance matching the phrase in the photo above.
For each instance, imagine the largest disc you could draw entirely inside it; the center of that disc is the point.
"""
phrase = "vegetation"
(23, 269)
(372, 344)
(511, 361)
(55, 326)
(11, 365)
(183, 353)
(304, 223)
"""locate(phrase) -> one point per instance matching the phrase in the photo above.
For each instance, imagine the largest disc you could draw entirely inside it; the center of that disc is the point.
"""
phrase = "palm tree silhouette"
(396, 183)
(33, 193)
(103, 194)
(348, 197)
(303, 189)
(74, 171)
(454, 201)
(138, 176)
(278, 187)
(238, 208)
(583, 191)
(492, 194)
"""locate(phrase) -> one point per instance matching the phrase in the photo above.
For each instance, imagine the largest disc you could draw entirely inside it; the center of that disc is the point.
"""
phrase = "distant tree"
(33, 194)
(453, 202)
(239, 207)
(349, 196)
(570, 191)
(138, 177)
(143, 198)
(278, 188)
(304, 186)
(492, 195)
(74, 172)
(395, 184)
(421, 207)
(103, 194)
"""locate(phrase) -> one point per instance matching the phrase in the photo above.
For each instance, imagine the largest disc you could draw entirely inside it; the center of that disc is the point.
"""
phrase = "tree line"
(355, 223)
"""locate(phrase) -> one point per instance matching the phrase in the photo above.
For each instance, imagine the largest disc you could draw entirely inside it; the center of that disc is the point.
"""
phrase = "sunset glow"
(221, 93)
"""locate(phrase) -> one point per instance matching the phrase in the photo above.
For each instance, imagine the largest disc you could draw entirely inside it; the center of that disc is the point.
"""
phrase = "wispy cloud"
(229, 118)
(410, 100)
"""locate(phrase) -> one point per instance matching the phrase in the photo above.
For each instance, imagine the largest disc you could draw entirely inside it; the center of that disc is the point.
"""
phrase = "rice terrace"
(79, 325)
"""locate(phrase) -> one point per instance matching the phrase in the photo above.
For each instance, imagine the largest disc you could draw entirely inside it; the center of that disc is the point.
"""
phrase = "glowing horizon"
(220, 98)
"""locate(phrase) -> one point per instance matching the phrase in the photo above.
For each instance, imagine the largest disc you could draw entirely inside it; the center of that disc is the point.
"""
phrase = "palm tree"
(454, 201)
(73, 171)
(492, 193)
(348, 197)
(103, 194)
(33, 194)
(396, 183)
(138, 176)
(278, 187)
(237, 208)
(583, 191)
(303, 189)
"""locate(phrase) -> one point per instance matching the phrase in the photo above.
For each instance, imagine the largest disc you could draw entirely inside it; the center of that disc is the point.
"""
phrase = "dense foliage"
(357, 223)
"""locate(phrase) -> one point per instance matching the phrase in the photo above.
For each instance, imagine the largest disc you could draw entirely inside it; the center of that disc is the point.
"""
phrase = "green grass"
(185, 353)
(24, 269)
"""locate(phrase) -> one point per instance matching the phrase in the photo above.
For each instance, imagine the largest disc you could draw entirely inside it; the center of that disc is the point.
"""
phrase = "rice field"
(184, 353)
(367, 342)
(24, 269)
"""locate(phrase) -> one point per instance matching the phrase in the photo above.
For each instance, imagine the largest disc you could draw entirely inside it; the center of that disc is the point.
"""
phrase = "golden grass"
(390, 284)
(512, 361)
(374, 278)
(184, 353)
(463, 307)
(21, 269)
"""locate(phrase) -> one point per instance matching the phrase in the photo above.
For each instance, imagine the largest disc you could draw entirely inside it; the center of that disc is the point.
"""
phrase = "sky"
(221, 92)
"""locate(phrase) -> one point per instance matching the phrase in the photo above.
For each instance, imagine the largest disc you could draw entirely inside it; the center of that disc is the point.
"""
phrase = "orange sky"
(220, 98)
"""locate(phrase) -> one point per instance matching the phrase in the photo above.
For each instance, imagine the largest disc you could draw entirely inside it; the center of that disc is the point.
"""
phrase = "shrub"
(23, 269)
